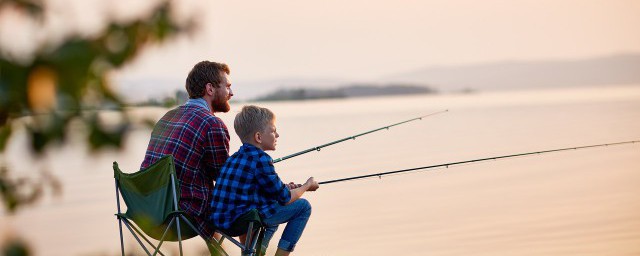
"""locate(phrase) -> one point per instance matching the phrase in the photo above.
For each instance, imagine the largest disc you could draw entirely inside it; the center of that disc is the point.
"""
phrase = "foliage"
(67, 81)
(15, 247)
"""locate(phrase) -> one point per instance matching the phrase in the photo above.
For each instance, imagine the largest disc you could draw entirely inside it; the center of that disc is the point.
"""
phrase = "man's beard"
(221, 106)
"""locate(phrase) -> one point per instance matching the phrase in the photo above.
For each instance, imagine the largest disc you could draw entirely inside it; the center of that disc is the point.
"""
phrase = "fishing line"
(317, 148)
(447, 165)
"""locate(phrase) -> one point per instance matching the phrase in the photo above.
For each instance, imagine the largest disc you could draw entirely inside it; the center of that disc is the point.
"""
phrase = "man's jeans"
(296, 216)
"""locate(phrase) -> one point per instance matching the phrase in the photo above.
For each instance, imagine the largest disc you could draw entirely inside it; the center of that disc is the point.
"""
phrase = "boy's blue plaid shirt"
(247, 181)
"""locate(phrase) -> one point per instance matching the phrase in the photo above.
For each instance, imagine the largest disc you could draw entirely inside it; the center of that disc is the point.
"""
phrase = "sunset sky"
(360, 40)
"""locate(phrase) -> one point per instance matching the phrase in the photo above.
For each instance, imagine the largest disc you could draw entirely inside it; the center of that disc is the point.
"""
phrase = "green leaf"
(16, 248)
(5, 133)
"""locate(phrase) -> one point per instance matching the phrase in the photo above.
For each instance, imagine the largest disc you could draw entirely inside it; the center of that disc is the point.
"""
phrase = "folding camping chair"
(152, 204)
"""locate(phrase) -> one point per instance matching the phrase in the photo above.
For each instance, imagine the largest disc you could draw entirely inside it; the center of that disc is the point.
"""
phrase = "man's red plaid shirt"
(199, 143)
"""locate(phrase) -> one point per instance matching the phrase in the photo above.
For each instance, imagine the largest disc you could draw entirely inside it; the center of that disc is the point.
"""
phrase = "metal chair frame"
(247, 249)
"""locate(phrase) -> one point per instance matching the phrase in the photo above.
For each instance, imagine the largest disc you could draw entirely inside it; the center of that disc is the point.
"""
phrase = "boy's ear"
(257, 137)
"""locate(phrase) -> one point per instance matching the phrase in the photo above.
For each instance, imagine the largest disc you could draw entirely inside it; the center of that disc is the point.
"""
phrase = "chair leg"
(248, 250)
(143, 237)
(179, 235)
(215, 247)
(137, 238)
(118, 216)
(261, 232)
(256, 242)
(121, 238)
(164, 234)
(175, 208)
(253, 243)
(234, 241)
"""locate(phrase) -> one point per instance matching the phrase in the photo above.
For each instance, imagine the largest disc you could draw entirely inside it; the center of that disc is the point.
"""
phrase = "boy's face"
(269, 137)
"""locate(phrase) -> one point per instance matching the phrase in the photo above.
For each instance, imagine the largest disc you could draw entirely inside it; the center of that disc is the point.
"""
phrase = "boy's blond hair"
(250, 120)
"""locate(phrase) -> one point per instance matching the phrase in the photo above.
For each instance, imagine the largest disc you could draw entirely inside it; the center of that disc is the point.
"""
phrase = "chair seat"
(156, 231)
(241, 224)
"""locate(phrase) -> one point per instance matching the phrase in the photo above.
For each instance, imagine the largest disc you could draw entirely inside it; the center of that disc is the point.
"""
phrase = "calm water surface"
(570, 203)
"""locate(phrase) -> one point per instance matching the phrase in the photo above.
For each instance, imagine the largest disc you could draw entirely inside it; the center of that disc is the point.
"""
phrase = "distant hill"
(619, 69)
(611, 70)
(351, 91)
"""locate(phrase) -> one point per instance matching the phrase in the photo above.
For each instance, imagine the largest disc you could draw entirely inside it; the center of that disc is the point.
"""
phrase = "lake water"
(584, 202)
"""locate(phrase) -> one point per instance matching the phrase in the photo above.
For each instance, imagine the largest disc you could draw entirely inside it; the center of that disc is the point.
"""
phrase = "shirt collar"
(250, 149)
(249, 146)
(198, 102)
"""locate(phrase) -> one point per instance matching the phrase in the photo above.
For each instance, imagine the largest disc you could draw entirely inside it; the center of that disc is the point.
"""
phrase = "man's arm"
(216, 149)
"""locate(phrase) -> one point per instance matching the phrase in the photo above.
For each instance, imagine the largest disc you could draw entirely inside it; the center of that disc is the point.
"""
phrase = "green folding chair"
(152, 204)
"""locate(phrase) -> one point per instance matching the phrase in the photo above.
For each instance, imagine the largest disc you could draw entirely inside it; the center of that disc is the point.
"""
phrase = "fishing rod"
(471, 161)
(353, 137)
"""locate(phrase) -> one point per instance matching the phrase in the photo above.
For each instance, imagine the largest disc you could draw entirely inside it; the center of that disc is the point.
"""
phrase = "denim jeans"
(296, 216)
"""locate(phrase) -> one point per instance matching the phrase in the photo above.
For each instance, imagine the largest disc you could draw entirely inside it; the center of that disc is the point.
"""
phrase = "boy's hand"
(292, 185)
(312, 184)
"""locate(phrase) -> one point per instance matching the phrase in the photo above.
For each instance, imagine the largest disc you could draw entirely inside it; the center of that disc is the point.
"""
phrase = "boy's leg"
(281, 252)
(268, 234)
(296, 216)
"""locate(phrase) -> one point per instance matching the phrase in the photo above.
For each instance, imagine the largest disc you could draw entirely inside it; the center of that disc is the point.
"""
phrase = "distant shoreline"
(350, 91)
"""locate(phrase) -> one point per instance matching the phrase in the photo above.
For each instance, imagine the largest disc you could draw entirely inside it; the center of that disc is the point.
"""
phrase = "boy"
(248, 181)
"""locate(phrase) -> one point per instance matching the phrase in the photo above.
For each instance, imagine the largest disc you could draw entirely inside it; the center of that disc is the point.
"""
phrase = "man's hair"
(202, 73)
(250, 120)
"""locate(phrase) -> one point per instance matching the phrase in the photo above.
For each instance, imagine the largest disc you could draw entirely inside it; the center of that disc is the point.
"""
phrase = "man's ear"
(209, 89)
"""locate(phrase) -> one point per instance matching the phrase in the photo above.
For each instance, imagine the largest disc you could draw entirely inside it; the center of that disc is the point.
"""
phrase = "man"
(197, 139)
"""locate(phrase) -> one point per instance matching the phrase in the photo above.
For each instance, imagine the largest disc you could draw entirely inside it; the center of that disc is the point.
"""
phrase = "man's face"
(222, 94)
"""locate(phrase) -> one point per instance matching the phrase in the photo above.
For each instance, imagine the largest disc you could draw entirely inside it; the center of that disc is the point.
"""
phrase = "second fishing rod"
(493, 158)
(317, 148)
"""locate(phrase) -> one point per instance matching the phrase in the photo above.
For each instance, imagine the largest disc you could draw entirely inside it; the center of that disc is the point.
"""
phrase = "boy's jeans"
(296, 216)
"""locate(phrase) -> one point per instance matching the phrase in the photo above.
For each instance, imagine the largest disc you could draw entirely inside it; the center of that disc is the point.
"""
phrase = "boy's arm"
(269, 183)
(310, 185)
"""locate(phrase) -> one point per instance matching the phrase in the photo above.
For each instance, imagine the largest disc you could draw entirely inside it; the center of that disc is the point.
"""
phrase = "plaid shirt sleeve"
(216, 153)
(270, 184)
